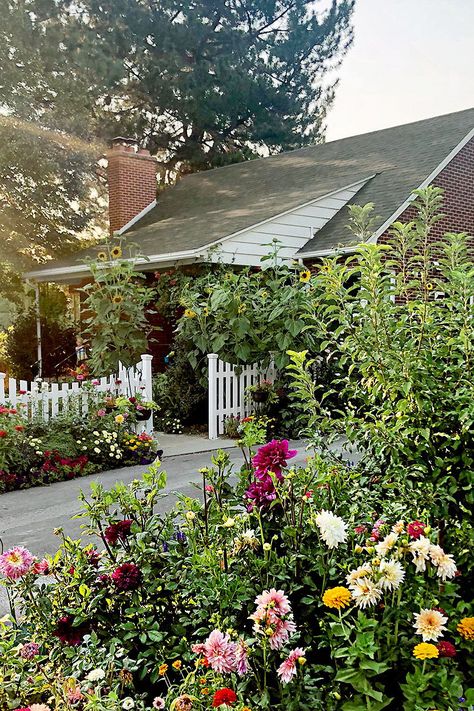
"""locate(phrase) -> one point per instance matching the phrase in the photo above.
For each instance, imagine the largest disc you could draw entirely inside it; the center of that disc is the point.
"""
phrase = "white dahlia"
(386, 544)
(430, 624)
(332, 528)
(392, 574)
(365, 593)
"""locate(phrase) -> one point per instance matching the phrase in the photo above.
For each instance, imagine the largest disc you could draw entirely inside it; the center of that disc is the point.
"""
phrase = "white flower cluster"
(35, 443)
(103, 442)
(332, 528)
(424, 551)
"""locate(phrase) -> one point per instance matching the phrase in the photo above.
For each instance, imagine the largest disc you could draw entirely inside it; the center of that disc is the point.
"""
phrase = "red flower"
(13, 411)
(67, 633)
(415, 529)
(93, 556)
(224, 696)
(127, 577)
(19, 428)
(3, 433)
(23, 392)
(446, 649)
(118, 531)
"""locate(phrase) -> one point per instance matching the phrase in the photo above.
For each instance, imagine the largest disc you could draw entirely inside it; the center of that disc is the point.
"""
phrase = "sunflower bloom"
(116, 252)
(425, 651)
(189, 313)
(337, 598)
(466, 628)
(102, 257)
(305, 276)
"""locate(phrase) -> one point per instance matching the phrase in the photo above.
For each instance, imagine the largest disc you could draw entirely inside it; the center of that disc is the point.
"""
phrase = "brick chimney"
(131, 174)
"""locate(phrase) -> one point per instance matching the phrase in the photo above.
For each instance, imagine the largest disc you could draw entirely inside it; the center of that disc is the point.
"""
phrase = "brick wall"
(132, 183)
(457, 181)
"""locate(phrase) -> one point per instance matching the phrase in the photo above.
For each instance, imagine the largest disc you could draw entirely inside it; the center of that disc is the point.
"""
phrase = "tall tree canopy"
(199, 82)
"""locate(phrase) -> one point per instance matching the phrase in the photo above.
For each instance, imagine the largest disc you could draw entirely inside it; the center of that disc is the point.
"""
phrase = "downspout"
(39, 351)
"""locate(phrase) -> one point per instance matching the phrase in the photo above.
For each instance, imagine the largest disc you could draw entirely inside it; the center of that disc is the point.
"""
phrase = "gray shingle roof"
(203, 208)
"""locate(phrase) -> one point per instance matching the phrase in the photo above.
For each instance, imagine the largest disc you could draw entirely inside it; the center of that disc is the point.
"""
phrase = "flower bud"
(190, 515)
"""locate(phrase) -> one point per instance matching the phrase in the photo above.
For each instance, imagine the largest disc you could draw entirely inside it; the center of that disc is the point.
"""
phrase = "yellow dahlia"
(466, 628)
(337, 598)
(425, 651)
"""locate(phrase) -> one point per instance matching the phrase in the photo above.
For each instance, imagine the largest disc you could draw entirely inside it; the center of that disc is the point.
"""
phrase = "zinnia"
(16, 562)
(425, 651)
(159, 703)
(430, 624)
(332, 528)
(337, 598)
(273, 457)
(466, 628)
(224, 696)
(446, 649)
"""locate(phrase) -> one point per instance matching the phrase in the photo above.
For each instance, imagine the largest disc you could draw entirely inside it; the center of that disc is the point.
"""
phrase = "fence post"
(2, 388)
(212, 395)
(147, 376)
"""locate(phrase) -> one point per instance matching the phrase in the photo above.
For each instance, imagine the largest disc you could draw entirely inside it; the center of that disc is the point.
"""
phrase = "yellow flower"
(424, 650)
(205, 311)
(466, 628)
(189, 313)
(246, 708)
(429, 286)
(162, 669)
(177, 664)
(119, 419)
(117, 299)
(116, 252)
(102, 256)
(337, 598)
(241, 309)
(305, 276)
(205, 691)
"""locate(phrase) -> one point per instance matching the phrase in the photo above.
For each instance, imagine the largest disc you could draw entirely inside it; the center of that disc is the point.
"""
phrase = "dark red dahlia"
(415, 529)
(446, 649)
(68, 633)
(127, 576)
(118, 531)
(224, 696)
(93, 556)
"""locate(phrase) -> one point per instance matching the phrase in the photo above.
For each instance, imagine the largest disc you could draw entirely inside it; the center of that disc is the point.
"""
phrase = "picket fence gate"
(227, 386)
(42, 399)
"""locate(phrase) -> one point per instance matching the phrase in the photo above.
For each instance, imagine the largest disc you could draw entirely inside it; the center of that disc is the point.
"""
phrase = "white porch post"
(147, 376)
(212, 394)
(39, 350)
(2, 388)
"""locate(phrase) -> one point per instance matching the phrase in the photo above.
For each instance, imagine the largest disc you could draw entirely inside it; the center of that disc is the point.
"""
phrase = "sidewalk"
(175, 445)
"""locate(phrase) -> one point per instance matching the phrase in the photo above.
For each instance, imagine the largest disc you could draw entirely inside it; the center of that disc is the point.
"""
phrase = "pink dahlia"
(283, 629)
(220, 652)
(287, 670)
(241, 658)
(274, 600)
(16, 562)
(272, 457)
(260, 493)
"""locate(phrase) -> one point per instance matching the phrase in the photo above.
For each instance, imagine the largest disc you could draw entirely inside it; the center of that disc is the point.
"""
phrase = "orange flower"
(162, 669)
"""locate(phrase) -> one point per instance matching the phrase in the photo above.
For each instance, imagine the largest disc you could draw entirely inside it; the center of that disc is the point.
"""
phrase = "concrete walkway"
(174, 445)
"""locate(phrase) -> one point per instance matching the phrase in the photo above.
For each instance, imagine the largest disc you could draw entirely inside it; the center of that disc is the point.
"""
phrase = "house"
(300, 197)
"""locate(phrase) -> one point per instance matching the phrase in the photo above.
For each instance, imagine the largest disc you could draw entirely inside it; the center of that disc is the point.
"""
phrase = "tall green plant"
(118, 301)
(399, 321)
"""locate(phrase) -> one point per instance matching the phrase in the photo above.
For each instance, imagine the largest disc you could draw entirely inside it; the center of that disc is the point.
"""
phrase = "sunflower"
(189, 313)
(102, 257)
(116, 252)
(117, 299)
(305, 276)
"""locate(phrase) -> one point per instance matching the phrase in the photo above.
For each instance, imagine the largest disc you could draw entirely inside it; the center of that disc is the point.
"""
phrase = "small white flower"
(96, 675)
(95, 433)
(420, 551)
(430, 624)
(386, 544)
(392, 574)
(128, 703)
(365, 593)
(332, 528)
(446, 567)
(96, 450)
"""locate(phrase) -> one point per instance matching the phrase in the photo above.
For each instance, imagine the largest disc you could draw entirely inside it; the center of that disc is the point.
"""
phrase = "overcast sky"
(411, 59)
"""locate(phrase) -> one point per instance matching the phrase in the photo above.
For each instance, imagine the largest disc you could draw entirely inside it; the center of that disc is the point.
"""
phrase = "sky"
(411, 59)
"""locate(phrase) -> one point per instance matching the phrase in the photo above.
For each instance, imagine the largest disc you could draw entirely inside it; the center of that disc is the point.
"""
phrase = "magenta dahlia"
(273, 457)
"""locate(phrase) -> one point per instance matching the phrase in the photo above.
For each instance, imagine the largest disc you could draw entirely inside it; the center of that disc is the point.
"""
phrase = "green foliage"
(248, 316)
(400, 323)
(118, 300)
(179, 391)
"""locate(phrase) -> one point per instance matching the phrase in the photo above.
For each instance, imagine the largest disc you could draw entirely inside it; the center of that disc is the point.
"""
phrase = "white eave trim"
(135, 219)
(80, 269)
(424, 184)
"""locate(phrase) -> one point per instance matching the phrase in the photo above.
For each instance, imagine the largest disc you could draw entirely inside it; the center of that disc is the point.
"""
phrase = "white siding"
(293, 229)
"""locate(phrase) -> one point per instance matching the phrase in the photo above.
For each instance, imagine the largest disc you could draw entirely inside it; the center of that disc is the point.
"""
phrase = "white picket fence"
(44, 400)
(227, 386)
